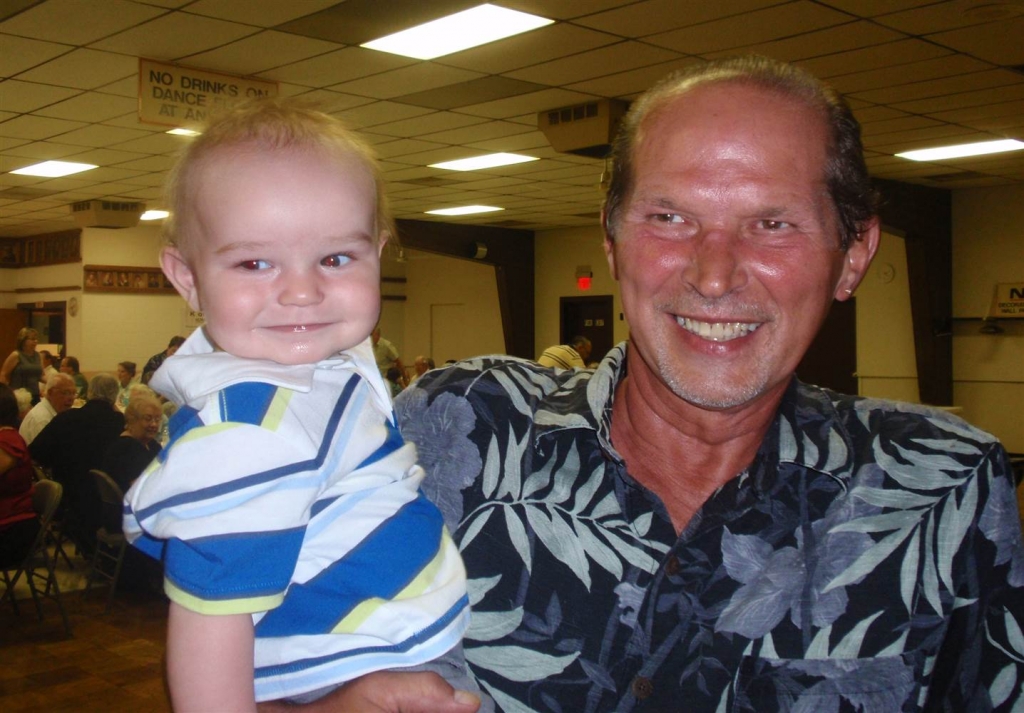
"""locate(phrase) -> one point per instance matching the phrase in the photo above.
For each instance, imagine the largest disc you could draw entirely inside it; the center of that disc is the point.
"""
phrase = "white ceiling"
(918, 74)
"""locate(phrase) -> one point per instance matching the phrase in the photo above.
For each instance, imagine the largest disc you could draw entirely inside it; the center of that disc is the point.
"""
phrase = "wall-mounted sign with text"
(181, 96)
(1008, 301)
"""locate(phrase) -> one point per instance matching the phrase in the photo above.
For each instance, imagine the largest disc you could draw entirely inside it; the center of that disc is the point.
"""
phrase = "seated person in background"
(157, 359)
(394, 381)
(125, 377)
(422, 365)
(59, 396)
(70, 366)
(385, 353)
(73, 443)
(573, 355)
(299, 551)
(18, 522)
(128, 456)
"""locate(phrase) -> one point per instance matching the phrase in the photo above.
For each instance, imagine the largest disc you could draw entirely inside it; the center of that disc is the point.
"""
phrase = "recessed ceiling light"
(454, 33)
(961, 150)
(54, 169)
(154, 215)
(183, 132)
(478, 163)
(464, 210)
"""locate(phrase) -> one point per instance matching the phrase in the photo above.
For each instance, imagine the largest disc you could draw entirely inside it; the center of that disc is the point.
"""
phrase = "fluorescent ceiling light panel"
(183, 132)
(54, 169)
(454, 33)
(464, 210)
(154, 215)
(478, 163)
(978, 149)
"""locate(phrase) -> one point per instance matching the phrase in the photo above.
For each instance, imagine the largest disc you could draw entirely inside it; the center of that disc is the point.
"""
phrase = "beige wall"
(556, 256)
(886, 367)
(451, 310)
(988, 370)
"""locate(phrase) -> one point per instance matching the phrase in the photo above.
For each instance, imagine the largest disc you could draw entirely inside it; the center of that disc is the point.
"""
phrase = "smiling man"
(690, 527)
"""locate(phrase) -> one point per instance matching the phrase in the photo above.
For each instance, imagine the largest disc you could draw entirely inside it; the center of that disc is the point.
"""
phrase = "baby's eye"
(335, 260)
(254, 264)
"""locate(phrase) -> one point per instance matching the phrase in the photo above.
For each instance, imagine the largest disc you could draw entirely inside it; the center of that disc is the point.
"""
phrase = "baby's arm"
(210, 661)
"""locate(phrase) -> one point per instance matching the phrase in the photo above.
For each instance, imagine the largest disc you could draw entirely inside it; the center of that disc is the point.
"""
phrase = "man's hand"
(388, 692)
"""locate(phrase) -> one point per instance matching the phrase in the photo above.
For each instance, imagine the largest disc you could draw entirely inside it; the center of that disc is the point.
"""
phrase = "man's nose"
(715, 268)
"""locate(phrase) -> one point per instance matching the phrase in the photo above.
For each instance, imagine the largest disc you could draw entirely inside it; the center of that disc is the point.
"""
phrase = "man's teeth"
(717, 331)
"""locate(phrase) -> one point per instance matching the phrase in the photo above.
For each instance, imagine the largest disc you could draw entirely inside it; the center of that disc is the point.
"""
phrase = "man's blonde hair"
(268, 125)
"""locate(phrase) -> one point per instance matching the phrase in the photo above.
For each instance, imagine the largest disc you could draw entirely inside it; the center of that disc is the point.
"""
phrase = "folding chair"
(56, 528)
(108, 557)
(37, 566)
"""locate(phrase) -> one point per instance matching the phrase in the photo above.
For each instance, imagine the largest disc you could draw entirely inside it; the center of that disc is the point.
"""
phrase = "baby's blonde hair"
(269, 125)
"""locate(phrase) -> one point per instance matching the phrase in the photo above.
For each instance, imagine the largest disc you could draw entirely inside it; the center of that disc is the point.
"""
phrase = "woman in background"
(71, 367)
(23, 368)
(125, 377)
(138, 445)
(18, 522)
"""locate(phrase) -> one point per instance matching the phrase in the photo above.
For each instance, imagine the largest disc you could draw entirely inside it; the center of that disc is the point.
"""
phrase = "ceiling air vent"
(585, 129)
(106, 214)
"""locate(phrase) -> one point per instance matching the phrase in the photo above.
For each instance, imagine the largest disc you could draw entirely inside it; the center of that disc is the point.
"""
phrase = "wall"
(452, 310)
(886, 367)
(557, 253)
(988, 370)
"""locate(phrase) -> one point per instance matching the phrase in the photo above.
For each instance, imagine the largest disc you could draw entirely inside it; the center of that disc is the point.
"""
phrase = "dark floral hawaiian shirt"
(870, 559)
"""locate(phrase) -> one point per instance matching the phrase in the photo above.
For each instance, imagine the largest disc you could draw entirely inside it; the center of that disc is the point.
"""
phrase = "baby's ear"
(181, 276)
(382, 240)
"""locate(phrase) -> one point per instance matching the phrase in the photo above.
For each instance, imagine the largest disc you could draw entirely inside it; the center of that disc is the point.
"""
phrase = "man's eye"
(254, 264)
(772, 224)
(335, 260)
(667, 218)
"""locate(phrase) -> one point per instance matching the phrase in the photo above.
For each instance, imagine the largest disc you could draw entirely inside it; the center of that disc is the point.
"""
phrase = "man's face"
(61, 396)
(584, 351)
(727, 249)
(421, 366)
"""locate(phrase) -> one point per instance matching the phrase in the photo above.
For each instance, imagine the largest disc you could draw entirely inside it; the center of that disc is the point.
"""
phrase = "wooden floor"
(113, 662)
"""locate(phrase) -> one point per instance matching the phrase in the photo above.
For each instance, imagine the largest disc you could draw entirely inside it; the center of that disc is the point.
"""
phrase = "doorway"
(589, 317)
(831, 360)
(47, 318)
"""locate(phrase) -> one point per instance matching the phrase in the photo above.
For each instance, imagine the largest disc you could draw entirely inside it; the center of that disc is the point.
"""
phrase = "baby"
(298, 550)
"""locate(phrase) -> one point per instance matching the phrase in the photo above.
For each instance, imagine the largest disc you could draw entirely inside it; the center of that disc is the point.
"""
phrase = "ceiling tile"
(78, 22)
(42, 151)
(84, 69)
(379, 113)
(101, 135)
(653, 16)
(868, 58)
(1010, 109)
(157, 143)
(109, 157)
(874, 8)
(420, 77)
(477, 132)
(632, 82)
(173, 36)
(426, 124)
(265, 14)
(525, 103)
(561, 10)
(21, 53)
(932, 18)
(89, 107)
(757, 26)
(475, 91)
(841, 38)
(326, 100)
(903, 73)
(127, 87)
(958, 101)
(595, 63)
(403, 147)
(260, 52)
(542, 45)
(17, 96)
(335, 67)
(939, 87)
(997, 42)
(39, 127)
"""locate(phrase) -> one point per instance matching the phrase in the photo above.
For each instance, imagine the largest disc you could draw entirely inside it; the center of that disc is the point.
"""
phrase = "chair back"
(46, 496)
(111, 499)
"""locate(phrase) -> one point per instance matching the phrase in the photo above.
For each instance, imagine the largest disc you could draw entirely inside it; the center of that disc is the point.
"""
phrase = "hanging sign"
(182, 96)
(1008, 301)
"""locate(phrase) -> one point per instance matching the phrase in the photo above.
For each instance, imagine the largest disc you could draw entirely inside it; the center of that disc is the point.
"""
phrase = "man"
(385, 353)
(157, 359)
(422, 365)
(73, 443)
(567, 356)
(689, 527)
(59, 397)
(70, 366)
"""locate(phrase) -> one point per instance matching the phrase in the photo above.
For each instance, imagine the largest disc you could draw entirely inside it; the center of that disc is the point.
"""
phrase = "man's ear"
(180, 275)
(609, 246)
(858, 259)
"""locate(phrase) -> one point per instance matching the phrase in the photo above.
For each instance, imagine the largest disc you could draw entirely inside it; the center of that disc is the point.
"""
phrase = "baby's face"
(284, 264)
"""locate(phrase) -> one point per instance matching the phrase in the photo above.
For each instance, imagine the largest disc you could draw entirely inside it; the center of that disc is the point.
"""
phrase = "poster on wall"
(1008, 301)
(125, 278)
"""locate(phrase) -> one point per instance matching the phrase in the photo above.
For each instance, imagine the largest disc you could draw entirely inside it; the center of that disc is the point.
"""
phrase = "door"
(831, 360)
(589, 317)
(11, 320)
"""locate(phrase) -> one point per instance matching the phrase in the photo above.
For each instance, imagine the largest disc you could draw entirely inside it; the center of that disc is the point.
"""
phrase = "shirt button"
(672, 566)
(642, 687)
